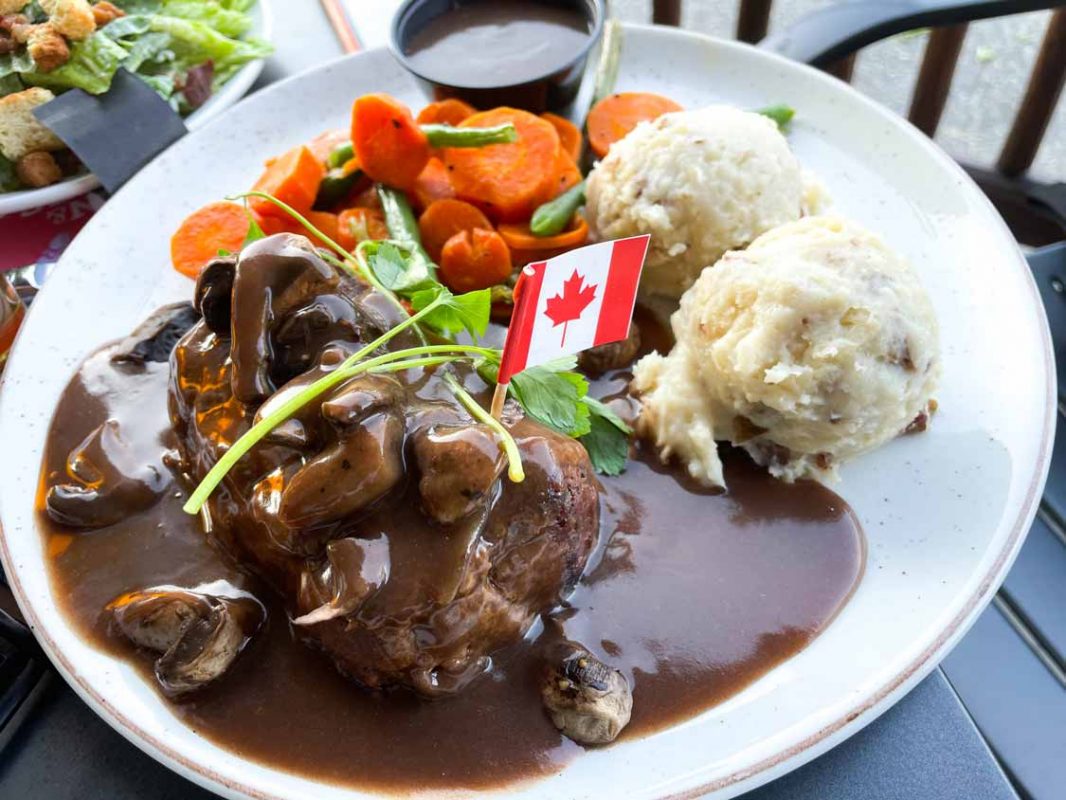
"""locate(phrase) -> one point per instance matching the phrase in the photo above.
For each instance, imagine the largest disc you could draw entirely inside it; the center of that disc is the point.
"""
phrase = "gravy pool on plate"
(691, 593)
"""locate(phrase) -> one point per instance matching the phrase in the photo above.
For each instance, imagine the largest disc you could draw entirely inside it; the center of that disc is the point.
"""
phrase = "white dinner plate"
(944, 512)
(232, 91)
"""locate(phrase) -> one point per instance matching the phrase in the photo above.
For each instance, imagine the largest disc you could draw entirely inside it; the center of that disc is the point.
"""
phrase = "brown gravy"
(497, 42)
(692, 594)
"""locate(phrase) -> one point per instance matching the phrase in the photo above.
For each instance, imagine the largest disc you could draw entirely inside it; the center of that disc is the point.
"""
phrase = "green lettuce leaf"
(194, 43)
(8, 179)
(17, 62)
(232, 23)
(9, 84)
(128, 26)
(149, 50)
(93, 63)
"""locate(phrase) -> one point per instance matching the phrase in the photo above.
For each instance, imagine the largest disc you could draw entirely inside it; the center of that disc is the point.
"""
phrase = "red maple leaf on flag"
(562, 309)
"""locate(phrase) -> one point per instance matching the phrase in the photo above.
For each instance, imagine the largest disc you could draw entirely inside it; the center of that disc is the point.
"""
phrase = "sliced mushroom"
(458, 466)
(359, 469)
(586, 700)
(273, 276)
(358, 398)
(154, 339)
(354, 570)
(615, 355)
(110, 480)
(304, 427)
(198, 635)
(214, 293)
(309, 328)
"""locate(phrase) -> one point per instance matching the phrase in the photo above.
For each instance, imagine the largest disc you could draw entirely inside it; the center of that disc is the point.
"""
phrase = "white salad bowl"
(944, 512)
(232, 91)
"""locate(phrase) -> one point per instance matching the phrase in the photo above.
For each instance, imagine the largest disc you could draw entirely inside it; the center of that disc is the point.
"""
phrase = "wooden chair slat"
(753, 20)
(1041, 95)
(666, 12)
(842, 68)
(934, 79)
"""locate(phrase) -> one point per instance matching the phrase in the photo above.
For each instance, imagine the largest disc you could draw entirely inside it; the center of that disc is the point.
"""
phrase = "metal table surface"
(925, 747)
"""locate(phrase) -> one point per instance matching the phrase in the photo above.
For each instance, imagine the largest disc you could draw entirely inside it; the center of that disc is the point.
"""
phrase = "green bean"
(334, 186)
(340, 155)
(401, 222)
(449, 136)
(781, 114)
(439, 136)
(552, 217)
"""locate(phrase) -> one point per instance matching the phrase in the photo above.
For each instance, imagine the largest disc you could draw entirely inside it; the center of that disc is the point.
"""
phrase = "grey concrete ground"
(989, 82)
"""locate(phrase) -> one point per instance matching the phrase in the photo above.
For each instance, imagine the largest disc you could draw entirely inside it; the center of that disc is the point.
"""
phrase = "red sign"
(40, 235)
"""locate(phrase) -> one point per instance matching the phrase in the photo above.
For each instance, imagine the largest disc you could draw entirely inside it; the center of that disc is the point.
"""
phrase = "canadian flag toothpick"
(577, 300)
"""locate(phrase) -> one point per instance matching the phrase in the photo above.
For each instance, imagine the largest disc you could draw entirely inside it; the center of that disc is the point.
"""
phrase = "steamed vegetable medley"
(184, 49)
(481, 193)
(437, 212)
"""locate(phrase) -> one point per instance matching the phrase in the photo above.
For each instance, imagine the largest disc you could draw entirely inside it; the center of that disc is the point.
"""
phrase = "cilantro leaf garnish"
(459, 312)
(254, 231)
(607, 441)
(402, 273)
(552, 394)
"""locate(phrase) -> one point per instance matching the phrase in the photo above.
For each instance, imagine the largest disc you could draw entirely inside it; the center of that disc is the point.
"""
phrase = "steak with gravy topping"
(380, 511)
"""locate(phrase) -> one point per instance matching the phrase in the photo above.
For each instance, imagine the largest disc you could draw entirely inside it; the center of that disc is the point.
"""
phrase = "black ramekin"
(552, 91)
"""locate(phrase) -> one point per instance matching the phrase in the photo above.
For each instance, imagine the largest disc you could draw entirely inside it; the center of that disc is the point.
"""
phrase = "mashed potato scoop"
(701, 183)
(814, 345)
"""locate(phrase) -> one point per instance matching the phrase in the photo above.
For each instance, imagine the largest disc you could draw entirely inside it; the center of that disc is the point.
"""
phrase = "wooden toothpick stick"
(497, 400)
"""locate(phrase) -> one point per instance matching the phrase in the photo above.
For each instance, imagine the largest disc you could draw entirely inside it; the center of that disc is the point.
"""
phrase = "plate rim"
(229, 95)
(861, 712)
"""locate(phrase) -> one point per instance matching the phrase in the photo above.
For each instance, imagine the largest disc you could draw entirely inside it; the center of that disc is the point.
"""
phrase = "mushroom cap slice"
(586, 700)
(199, 635)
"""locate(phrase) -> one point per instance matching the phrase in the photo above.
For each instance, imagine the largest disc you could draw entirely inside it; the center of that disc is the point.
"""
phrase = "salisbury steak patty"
(381, 511)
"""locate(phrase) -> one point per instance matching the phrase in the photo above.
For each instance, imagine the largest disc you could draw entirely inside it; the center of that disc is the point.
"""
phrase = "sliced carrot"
(615, 116)
(358, 224)
(507, 181)
(474, 260)
(450, 111)
(388, 143)
(519, 237)
(431, 184)
(445, 218)
(292, 178)
(569, 135)
(325, 222)
(326, 142)
(567, 173)
(215, 227)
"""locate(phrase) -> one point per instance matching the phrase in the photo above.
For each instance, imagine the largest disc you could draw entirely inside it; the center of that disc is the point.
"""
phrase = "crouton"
(72, 18)
(47, 48)
(20, 132)
(12, 6)
(104, 12)
(38, 169)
